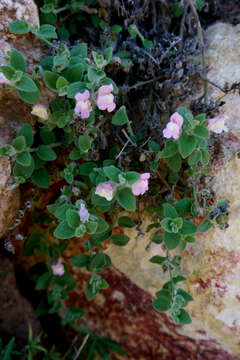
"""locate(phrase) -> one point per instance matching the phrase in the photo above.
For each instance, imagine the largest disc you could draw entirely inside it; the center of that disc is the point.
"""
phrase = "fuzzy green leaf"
(120, 117)
(187, 144)
(120, 239)
(126, 199)
(17, 60)
(46, 153)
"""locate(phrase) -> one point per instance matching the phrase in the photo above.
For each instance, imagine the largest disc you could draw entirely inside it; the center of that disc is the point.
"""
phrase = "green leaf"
(19, 143)
(26, 84)
(61, 211)
(23, 171)
(126, 199)
(19, 27)
(125, 221)
(43, 281)
(30, 97)
(76, 87)
(182, 317)
(148, 44)
(50, 79)
(75, 73)
(100, 261)
(102, 226)
(47, 136)
(205, 157)
(184, 207)
(84, 143)
(187, 144)
(26, 131)
(187, 297)
(86, 168)
(195, 157)
(177, 10)
(91, 226)
(157, 238)
(80, 261)
(80, 230)
(24, 159)
(162, 303)
(46, 31)
(172, 225)
(120, 117)
(120, 239)
(169, 211)
(186, 114)
(171, 240)
(204, 226)
(108, 52)
(17, 60)
(98, 59)
(61, 83)
(95, 75)
(188, 228)
(175, 162)
(200, 4)
(8, 72)
(201, 131)
(41, 178)
(73, 218)
(189, 239)
(112, 173)
(7, 150)
(80, 50)
(157, 259)
(46, 153)
(63, 231)
(153, 146)
(201, 117)
(132, 177)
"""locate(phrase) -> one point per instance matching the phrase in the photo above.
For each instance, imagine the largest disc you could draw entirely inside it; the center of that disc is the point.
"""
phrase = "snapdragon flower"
(105, 98)
(40, 111)
(83, 106)
(141, 185)
(105, 190)
(217, 124)
(173, 127)
(83, 213)
(58, 268)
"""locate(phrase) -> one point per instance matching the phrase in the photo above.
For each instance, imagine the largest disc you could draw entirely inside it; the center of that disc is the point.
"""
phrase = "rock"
(16, 312)
(211, 264)
(14, 112)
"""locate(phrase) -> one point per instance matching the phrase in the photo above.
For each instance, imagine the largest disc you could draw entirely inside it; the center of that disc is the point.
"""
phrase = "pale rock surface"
(13, 111)
(212, 264)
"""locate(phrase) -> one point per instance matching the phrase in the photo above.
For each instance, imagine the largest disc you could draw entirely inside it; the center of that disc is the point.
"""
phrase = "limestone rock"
(211, 265)
(14, 112)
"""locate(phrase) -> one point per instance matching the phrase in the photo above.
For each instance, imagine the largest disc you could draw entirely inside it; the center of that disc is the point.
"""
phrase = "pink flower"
(216, 124)
(105, 98)
(83, 213)
(105, 190)
(83, 105)
(176, 118)
(141, 185)
(171, 130)
(173, 127)
(58, 268)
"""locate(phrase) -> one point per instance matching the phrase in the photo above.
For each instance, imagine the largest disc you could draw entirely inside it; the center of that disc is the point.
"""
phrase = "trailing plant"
(96, 189)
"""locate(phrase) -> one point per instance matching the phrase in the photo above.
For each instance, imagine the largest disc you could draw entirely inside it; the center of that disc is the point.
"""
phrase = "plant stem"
(200, 35)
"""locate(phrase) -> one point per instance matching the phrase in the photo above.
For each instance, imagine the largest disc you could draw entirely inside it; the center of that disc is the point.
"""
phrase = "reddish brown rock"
(16, 313)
